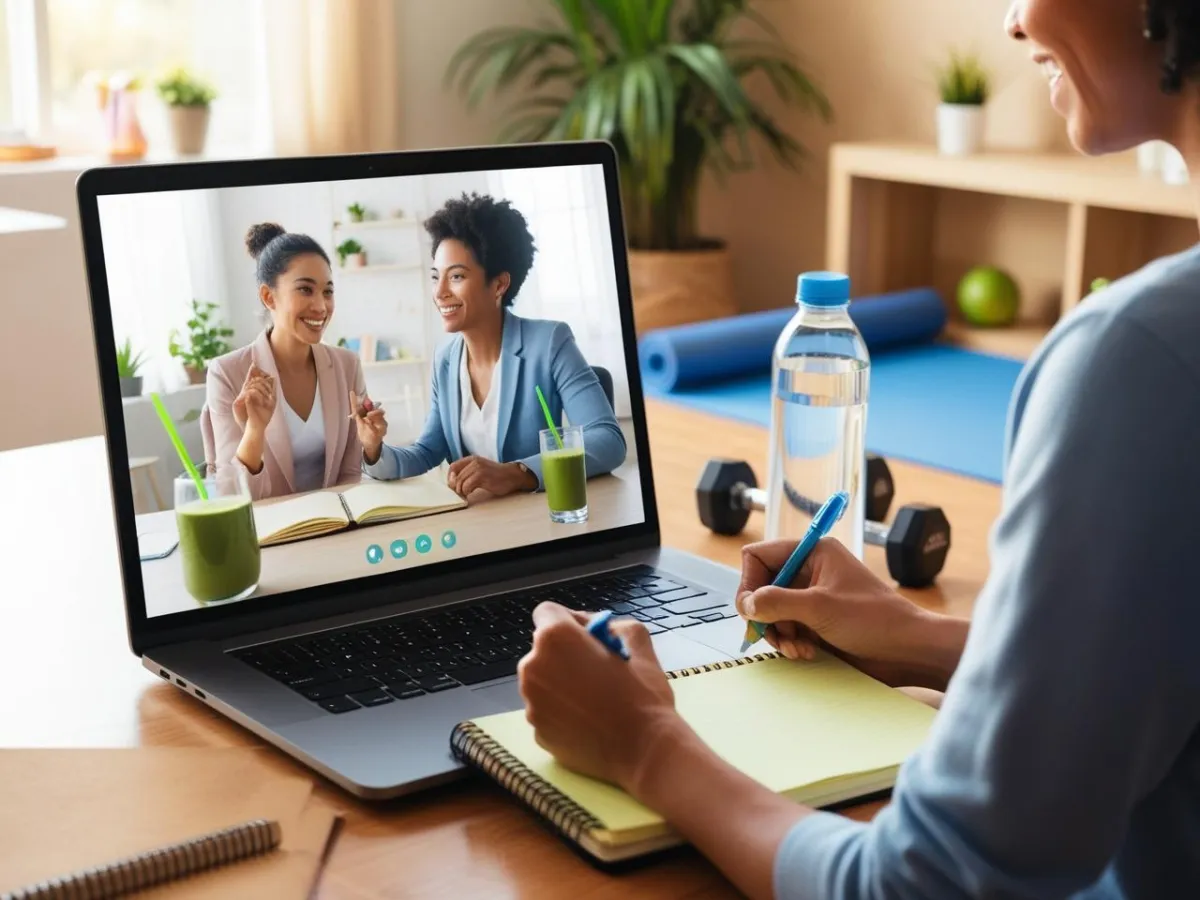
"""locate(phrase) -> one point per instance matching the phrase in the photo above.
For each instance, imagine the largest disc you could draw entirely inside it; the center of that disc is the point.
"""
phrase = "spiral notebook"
(819, 732)
(68, 811)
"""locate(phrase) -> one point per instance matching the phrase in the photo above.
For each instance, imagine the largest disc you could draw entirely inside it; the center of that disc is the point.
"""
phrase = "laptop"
(358, 649)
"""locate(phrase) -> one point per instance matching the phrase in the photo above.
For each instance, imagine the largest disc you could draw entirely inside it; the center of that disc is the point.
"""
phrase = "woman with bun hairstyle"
(280, 406)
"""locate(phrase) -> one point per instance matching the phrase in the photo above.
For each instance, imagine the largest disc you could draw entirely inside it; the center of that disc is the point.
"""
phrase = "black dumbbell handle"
(755, 499)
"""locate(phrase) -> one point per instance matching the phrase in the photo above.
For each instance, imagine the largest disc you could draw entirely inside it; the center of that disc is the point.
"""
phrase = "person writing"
(280, 407)
(1065, 757)
(485, 416)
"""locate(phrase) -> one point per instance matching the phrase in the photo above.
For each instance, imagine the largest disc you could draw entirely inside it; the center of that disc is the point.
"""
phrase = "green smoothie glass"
(218, 542)
(564, 474)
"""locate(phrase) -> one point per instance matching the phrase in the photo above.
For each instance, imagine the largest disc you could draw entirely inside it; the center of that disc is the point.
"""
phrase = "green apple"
(1099, 284)
(988, 296)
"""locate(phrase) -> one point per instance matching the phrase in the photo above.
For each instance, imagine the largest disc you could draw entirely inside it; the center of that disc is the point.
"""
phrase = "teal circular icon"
(448, 539)
(423, 543)
(400, 549)
(374, 554)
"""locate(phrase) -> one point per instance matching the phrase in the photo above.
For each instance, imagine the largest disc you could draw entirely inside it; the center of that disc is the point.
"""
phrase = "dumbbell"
(916, 543)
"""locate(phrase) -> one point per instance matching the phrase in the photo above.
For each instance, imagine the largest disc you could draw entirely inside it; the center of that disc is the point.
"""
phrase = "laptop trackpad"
(505, 696)
(675, 651)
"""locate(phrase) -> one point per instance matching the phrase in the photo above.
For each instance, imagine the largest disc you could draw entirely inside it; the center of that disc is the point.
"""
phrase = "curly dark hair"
(495, 232)
(1176, 24)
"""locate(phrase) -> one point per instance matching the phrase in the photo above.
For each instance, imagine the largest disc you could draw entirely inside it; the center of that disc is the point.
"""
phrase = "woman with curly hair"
(1065, 757)
(485, 415)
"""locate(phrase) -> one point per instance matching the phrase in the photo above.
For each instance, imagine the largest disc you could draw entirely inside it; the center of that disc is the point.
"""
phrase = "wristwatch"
(525, 470)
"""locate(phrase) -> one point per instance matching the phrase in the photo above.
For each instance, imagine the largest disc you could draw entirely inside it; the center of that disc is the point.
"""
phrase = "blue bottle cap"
(823, 289)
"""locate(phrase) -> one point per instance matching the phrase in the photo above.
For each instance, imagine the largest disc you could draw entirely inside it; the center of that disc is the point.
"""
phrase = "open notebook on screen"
(369, 503)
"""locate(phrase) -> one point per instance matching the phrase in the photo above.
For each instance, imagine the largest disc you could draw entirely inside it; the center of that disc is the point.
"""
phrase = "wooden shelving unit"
(381, 267)
(394, 363)
(375, 223)
(903, 216)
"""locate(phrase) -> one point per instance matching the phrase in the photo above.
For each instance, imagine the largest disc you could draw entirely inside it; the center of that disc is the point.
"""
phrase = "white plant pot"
(356, 260)
(959, 128)
(1150, 156)
(1174, 166)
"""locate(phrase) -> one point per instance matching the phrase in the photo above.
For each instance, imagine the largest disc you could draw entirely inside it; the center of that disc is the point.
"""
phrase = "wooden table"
(69, 679)
(487, 524)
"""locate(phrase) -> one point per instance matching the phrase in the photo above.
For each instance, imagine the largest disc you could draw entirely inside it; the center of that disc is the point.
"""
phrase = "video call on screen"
(367, 376)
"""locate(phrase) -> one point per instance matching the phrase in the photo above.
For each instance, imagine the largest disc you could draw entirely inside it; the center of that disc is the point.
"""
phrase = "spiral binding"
(154, 867)
(473, 745)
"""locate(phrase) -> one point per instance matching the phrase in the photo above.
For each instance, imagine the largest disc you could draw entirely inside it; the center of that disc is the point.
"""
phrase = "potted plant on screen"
(356, 212)
(665, 81)
(964, 86)
(206, 340)
(189, 101)
(351, 254)
(128, 366)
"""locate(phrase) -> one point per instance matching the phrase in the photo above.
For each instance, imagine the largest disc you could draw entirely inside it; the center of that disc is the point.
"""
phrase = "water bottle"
(820, 380)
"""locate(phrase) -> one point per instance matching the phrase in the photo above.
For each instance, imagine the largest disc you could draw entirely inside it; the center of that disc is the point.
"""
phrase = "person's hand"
(255, 403)
(836, 603)
(477, 473)
(371, 423)
(596, 713)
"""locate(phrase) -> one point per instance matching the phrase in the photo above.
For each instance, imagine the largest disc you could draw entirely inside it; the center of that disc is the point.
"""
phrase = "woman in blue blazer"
(485, 415)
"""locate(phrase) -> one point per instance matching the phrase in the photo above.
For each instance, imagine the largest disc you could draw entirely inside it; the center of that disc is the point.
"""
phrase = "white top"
(479, 426)
(308, 445)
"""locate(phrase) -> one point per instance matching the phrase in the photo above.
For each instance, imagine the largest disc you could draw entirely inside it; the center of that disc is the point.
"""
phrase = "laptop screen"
(366, 376)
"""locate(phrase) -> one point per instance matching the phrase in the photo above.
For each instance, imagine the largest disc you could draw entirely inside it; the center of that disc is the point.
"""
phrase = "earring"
(1154, 26)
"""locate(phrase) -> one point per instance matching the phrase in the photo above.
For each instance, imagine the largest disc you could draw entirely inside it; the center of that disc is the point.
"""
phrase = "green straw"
(549, 419)
(179, 448)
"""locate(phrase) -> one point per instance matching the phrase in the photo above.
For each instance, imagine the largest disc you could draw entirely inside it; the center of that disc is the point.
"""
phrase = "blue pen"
(598, 628)
(826, 517)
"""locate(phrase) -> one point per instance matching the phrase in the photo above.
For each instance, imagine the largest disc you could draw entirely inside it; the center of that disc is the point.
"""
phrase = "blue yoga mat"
(931, 404)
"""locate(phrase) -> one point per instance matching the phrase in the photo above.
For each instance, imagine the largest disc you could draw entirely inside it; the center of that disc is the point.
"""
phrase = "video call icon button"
(424, 543)
(374, 554)
(400, 548)
(448, 539)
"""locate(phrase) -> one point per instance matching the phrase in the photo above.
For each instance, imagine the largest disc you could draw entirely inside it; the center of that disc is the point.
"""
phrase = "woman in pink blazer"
(279, 409)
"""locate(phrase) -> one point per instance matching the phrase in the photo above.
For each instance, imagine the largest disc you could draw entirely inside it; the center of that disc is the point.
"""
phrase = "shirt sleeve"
(427, 452)
(1079, 684)
(585, 404)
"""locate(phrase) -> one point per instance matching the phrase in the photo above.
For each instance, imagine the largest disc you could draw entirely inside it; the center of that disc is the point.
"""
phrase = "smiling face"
(1103, 72)
(301, 300)
(465, 297)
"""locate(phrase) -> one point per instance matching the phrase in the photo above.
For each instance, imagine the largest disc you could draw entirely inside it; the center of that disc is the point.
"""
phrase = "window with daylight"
(218, 40)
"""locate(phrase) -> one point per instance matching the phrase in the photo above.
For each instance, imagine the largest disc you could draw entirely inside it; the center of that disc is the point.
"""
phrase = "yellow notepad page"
(425, 493)
(795, 727)
(301, 516)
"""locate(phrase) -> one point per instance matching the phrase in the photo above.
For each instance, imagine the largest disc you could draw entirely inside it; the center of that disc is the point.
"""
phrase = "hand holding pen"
(827, 516)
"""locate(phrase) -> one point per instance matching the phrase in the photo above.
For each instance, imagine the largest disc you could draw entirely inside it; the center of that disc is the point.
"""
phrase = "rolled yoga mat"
(720, 350)
(930, 403)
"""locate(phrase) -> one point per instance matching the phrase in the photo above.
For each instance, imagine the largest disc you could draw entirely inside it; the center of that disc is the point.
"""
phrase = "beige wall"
(875, 60)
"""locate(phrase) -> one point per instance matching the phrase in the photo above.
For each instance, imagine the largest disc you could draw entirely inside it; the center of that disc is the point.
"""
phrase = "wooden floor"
(65, 623)
(682, 440)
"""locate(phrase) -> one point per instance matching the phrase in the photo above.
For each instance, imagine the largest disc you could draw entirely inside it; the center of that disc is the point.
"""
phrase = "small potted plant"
(189, 101)
(206, 340)
(128, 366)
(964, 86)
(351, 254)
(356, 212)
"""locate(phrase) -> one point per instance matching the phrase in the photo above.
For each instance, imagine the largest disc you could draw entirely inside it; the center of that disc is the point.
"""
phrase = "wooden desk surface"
(69, 679)
(488, 524)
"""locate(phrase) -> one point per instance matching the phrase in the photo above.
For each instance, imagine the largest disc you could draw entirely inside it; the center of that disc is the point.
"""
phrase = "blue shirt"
(1065, 761)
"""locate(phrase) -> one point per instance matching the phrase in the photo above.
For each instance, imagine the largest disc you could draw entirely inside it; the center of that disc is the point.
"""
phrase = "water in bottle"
(820, 380)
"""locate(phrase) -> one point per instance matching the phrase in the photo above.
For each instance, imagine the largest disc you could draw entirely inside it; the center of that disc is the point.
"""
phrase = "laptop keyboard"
(402, 657)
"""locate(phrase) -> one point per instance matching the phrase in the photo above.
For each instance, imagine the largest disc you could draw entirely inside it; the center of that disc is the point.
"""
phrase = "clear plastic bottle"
(820, 382)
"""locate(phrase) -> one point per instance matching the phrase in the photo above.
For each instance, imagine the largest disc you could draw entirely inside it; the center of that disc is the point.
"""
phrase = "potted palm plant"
(964, 86)
(128, 366)
(664, 81)
(189, 100)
